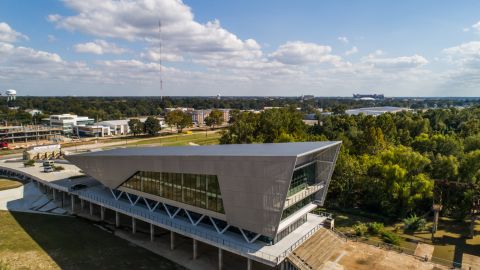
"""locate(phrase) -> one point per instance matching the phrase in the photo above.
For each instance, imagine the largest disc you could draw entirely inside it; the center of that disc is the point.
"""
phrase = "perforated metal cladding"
(253, 188)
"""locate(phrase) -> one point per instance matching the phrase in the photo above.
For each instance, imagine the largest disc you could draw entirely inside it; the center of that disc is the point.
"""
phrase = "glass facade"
(294, 208)
(302, 178)
(198, 190)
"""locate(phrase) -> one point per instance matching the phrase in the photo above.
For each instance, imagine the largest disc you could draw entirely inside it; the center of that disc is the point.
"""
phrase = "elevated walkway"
(316, 251)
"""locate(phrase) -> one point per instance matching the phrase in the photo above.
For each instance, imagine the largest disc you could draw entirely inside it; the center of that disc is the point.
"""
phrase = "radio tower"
(160, 56)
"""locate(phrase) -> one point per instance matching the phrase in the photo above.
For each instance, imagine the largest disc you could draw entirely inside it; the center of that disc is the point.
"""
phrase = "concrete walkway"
(28, 198)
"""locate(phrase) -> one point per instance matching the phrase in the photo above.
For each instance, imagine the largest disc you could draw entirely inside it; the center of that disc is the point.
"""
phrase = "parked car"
(48, 163)
(48, 169)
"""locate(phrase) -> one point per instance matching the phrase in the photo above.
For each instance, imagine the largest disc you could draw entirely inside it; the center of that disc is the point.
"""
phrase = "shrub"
(29, 162)
(360, 229)
(58, 168)
(414, 223)
(375, 228)
(390, 238)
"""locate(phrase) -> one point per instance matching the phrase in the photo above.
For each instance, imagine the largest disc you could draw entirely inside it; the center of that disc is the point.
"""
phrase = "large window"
(194, 189)
(302, 178)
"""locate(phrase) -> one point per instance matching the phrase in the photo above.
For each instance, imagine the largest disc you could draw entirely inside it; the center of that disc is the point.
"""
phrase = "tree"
(178, 119)
(136, 126)
(185, 121)
(151, 126)
(406, 184)
(470, 167)
(445, 167)
(215, 118)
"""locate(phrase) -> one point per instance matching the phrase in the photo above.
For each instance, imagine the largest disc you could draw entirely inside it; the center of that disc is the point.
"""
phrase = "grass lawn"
(450, 241)
(35, 241)
(9, 183)
(181, 140)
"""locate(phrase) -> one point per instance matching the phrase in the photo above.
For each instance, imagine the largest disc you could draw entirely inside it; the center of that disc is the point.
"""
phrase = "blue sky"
(325, 48)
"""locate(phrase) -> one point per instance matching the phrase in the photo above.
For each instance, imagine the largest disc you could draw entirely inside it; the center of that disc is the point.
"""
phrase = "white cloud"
(99, 46)
(299, 53)
(396, 63)
(7, 34)
(138, 21)
(353, 50)
(54, 18)
(343, 40)
(476, 26)
(153, 54)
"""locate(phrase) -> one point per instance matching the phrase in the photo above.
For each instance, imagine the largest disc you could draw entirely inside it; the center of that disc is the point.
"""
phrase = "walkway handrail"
(165, 221)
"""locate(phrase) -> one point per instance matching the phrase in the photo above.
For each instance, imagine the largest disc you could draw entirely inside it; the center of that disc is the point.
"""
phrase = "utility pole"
(160, 56)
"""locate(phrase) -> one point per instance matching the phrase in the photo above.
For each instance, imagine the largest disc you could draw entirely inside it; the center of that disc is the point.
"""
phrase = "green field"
(35, 241)
(179, 140)
(9, 183)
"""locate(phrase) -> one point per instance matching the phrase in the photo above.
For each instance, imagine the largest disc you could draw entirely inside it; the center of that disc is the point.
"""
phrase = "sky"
(240, 48)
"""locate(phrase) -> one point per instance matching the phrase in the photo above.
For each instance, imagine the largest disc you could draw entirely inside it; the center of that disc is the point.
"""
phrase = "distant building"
(116, 127)
(308, 97)
(198, 116)
(33, 112)
(67, 121)
(92, 131)
(374, 111)
(15, 134)
(368, 96)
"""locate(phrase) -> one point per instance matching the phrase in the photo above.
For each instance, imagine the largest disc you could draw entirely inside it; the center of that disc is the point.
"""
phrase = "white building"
(117, 127)
(68, 121)
(375, 111)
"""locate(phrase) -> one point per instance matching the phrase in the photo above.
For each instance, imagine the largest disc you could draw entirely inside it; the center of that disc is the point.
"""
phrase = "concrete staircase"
(316, 251)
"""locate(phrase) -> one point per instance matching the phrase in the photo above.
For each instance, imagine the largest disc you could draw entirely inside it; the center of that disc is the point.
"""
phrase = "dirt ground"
(359, 256)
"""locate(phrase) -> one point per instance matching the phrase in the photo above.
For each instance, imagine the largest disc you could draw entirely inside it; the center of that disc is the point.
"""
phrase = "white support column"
(117, 219)
(152, 232)
(195, 246)
(91, 209)
(63, 198)
(54, 194)
(102, 213)
(172, 240)
(134, 225)
(249, 264)
(220, 259)
(82, 204)
(72, 202)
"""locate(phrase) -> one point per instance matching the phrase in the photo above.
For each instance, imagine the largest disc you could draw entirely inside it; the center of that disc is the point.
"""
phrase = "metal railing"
(166, 221)
(303, 194)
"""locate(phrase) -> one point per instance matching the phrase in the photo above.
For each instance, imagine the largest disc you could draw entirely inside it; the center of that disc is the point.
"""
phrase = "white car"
(48, 169)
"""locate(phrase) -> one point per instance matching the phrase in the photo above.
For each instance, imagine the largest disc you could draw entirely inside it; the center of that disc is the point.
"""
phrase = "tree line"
(387, 164)
(110, 108)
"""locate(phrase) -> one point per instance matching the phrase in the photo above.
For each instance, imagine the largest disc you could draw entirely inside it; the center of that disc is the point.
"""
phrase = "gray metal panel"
(253, 187)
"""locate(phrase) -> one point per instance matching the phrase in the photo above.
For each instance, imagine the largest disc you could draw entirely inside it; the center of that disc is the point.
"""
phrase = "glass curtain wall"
(194, 189)
(302, 178)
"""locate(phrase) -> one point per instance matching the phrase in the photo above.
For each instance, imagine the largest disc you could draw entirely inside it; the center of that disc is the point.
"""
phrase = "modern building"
(375, 111)
(253, 200)
(92, 131)
(116, 127)
(67, 121)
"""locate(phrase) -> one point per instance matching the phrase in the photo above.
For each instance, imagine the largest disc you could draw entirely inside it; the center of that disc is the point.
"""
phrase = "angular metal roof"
(265, 149)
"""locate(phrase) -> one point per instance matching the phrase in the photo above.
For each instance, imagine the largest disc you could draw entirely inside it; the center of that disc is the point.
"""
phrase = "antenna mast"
(160, 56)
